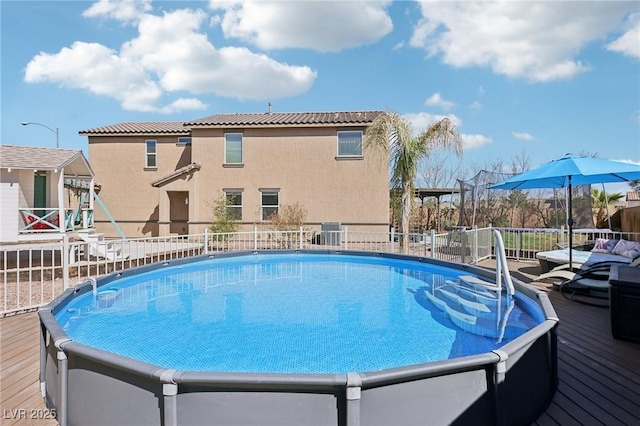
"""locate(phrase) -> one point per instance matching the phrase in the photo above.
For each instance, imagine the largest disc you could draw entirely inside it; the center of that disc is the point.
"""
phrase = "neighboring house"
(633, 199)
(34, 193)
(161, 178)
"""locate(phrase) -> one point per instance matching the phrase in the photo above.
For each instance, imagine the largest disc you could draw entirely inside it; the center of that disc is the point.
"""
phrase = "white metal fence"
(32, 275)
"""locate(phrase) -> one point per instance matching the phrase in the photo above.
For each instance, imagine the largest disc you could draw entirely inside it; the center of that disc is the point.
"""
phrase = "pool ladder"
(502, 269)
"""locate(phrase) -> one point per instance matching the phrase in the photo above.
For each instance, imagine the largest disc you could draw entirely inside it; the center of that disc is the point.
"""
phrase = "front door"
(39, 194)
(178, 212)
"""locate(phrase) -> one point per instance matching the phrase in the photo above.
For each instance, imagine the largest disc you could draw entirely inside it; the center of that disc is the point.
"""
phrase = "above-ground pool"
(296, 337)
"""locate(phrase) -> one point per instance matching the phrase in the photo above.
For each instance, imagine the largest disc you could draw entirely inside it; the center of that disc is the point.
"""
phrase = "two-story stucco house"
(161, 178)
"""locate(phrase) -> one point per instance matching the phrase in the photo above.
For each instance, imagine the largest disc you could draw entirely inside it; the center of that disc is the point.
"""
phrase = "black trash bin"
(624, 302)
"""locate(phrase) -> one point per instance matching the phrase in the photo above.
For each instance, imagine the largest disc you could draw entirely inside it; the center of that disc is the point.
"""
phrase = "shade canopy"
(572, 170)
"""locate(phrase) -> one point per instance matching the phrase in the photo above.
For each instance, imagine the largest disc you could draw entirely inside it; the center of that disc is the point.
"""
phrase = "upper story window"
(233, 148)
(151, 161)
(234, 203)
(350, 143)
(269, 203)
(184, 141)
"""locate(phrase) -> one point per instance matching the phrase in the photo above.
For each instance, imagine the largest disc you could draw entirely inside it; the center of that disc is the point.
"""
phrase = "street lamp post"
(56, 131)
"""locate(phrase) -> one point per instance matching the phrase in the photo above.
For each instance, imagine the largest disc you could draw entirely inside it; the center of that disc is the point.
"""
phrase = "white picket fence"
(32, 275)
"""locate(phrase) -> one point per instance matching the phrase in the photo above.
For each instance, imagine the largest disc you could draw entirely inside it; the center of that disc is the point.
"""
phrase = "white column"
(92, 193)
(61, 210)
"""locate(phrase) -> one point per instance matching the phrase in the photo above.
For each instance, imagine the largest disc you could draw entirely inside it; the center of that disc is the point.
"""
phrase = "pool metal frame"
(88, 386)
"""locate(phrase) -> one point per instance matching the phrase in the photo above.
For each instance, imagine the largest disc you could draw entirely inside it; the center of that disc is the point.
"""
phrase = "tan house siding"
(126, 183)
(300, 162)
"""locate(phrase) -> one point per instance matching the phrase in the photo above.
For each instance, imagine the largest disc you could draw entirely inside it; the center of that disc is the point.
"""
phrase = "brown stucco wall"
(300, 162)
(119, 166)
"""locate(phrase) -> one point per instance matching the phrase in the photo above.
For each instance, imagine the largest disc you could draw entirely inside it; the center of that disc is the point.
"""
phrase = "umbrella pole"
(570, 222)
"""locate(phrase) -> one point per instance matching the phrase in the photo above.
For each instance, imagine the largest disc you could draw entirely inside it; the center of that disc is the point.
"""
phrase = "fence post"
(65, 261)
(433, 242)
(424, 243)
(475, 244)
(346, 239)
(301, 246)
(206, 241)
(393, 239)
(490, 241)
(464, 240)
(255, 237)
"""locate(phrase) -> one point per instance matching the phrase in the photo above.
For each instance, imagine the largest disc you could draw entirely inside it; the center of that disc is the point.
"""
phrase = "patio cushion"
(603, 245)
(630, 249)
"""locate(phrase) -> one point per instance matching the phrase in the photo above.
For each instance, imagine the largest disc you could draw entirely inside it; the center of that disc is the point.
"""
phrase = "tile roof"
(238, 119)
(633, 196)
(29, 157)
(139, 128)
(287, 119)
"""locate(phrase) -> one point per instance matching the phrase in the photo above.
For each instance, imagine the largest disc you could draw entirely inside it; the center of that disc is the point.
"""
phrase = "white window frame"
(241, 147)
(338, 144)
(234, 193)
(148, 155)
(264, 206)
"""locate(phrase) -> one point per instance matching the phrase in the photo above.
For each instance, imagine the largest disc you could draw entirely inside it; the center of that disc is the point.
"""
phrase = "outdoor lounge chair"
(587, 284)
(603, 250)
(551, 260)
(601, 268)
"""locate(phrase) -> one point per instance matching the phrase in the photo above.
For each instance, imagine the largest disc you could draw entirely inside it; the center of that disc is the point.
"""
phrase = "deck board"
(599, 376)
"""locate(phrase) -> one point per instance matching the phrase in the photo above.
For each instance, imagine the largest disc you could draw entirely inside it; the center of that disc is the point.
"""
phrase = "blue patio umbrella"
(572, 170)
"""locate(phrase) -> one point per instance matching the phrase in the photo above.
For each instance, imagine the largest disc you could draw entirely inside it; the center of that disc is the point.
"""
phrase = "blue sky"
(532, 80)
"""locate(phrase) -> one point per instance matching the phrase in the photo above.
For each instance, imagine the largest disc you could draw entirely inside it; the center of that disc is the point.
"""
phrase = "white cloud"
(420, 121)
(437, 101)
(628, 161)
(476, 105)
(93, 68)
(169, 56)
(324, 26)
(537, 41)
(474, 141)
(523, 136)
(127, 11)
(629, 43)
(184, 104)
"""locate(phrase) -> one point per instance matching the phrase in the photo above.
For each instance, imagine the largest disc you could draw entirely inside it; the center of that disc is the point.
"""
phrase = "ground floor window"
(269, 203)
(234, 203)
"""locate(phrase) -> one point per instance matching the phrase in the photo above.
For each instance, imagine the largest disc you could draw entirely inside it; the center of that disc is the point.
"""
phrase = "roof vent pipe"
(269, 107)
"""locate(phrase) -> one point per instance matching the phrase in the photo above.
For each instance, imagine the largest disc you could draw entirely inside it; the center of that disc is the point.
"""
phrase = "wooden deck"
(599, 376)
(20, 400)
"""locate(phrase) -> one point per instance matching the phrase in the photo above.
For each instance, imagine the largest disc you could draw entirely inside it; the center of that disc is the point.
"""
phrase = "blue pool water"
(295, 313)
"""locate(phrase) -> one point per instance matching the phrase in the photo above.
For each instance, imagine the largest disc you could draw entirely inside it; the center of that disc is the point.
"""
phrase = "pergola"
(423, 193)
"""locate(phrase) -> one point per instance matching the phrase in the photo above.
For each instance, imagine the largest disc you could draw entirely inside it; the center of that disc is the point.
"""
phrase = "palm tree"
(600, 200)
(391, 132)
